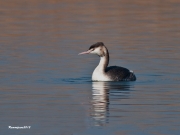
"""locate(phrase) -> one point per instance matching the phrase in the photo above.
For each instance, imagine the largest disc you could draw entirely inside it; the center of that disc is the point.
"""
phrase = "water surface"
(46, 85)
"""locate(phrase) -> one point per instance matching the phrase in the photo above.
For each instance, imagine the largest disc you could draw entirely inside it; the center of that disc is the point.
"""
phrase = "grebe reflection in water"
(102, 94)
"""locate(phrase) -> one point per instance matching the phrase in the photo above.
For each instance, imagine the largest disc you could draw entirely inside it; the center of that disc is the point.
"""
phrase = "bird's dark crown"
(98, 44)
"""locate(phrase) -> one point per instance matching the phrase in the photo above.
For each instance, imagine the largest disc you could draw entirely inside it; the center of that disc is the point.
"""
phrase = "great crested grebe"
(104, 73)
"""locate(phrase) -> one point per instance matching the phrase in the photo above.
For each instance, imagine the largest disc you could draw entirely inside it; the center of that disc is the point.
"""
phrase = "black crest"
(96, 45)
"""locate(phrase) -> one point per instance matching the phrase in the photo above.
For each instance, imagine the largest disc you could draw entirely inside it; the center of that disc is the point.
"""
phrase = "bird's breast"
(99, 75)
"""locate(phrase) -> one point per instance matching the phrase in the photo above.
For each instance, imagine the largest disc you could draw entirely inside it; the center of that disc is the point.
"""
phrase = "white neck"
(102, 64)
(99, 73)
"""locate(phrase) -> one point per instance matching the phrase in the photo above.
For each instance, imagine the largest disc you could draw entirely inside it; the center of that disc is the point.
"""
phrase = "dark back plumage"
(120, 74)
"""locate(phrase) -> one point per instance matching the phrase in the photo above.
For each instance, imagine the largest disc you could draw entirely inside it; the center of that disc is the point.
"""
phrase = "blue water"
(46, 85)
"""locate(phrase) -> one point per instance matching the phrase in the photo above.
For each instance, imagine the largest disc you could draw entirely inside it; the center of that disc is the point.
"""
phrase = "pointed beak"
(87, 52)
